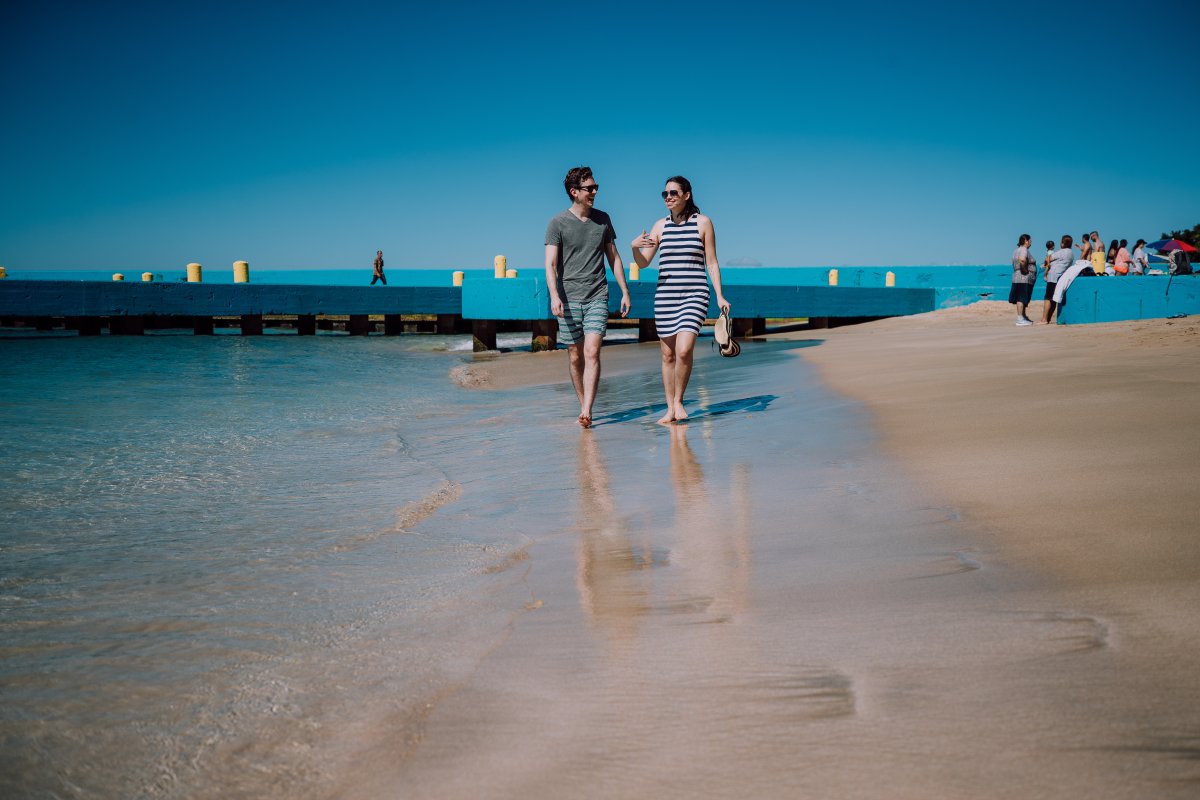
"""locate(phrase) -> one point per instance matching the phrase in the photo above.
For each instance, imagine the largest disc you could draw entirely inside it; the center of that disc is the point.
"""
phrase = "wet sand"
(966, 569)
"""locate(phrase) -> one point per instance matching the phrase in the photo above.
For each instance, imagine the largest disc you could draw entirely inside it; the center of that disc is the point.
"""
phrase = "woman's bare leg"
(667, 347)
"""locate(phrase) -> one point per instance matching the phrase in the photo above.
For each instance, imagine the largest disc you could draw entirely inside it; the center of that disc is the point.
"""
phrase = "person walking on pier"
(378, 276)
(577, 242)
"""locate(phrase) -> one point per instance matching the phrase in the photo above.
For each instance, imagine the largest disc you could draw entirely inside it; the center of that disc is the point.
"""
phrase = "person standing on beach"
(688, 245)
(1023, 278)
(577, 242)
(1060, 260)
(378, 276)
(1140, 263)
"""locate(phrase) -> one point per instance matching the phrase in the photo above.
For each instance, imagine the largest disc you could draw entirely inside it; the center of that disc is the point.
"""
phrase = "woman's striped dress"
(681, 298)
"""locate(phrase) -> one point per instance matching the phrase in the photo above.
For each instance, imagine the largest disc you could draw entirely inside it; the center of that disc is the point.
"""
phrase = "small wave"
(468, 378)
(408, 516)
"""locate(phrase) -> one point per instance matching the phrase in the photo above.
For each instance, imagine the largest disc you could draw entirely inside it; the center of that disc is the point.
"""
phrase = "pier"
(484, 305)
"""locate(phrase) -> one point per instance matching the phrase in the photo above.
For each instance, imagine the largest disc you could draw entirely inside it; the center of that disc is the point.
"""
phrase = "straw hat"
(723, 334)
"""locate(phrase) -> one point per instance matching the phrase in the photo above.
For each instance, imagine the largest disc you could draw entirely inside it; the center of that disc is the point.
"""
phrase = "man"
(1060, 261)
(378, 276)
(577, 242)
(1024, 276)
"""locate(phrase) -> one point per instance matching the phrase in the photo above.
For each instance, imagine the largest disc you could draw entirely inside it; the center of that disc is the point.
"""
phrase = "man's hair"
(1067, 241)
(1025, 239)
(575, 178)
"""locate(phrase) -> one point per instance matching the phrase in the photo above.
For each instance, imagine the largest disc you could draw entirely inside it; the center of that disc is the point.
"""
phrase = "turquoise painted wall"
(1112, 299)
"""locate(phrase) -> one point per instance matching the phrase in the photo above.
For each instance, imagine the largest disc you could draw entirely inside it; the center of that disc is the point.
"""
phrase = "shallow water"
(315, 566)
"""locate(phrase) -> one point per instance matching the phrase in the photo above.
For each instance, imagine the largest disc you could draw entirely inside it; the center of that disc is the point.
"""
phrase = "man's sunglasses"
(595, 187)
(670, 193)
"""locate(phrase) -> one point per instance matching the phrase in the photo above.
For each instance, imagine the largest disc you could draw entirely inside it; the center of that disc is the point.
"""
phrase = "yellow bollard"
(147, 277)
(510, 273)
(457, 278)
(241, 272)
(195, 274)
(118, 276)
(635, 272)
(833, 277)
(501, 262)
(889, 279)
(3, 274)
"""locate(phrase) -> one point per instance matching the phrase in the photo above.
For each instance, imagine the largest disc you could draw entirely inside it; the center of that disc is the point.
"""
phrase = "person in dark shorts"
(378, 276)
(1024, 276)
(1060, 261)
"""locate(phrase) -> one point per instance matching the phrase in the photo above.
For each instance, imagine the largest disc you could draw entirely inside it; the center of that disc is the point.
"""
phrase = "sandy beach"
(994, 596)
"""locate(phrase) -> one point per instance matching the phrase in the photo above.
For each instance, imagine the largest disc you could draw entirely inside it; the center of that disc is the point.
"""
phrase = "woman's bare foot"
(667, 417)
(585, 421)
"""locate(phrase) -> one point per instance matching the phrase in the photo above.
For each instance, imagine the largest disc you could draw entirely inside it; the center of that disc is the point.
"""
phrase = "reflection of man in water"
(378, 276)
(609, 575)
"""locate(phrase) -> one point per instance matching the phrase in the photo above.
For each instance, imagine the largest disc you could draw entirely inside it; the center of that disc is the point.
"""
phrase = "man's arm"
(556, 306)
(618, 268)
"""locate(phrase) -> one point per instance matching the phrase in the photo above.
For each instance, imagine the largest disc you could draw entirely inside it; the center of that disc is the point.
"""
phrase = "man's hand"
(556, 306)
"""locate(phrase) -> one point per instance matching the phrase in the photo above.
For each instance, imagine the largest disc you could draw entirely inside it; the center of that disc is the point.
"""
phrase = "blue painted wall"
(122, 298)
(528, 298)
(1112, 299)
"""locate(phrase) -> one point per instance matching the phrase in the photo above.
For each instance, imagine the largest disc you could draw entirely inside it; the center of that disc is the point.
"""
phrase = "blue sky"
(146, 136)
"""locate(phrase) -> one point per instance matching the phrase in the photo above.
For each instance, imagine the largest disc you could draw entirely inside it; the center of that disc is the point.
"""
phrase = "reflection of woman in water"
(713, 556)
(686, 245)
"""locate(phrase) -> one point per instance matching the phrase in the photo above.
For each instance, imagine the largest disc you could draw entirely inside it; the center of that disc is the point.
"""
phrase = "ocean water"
(308, 567)
(211, 543)
(229, 566)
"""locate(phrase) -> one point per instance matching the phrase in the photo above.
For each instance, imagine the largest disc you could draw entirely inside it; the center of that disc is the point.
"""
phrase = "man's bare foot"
(585, 421)
(680, 413)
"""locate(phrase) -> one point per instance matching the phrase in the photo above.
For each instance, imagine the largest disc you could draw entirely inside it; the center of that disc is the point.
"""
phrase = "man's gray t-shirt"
(581, 245)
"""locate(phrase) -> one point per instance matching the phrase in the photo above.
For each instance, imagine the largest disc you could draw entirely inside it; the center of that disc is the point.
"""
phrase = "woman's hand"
(644, 240)
(723, 304)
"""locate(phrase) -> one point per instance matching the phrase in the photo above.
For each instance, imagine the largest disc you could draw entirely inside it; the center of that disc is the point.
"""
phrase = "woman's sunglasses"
(670, 193)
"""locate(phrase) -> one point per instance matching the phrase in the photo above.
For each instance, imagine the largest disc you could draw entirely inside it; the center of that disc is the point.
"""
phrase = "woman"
(1140, 262)
(1111, 258)
(1122, 261)
(686, 245)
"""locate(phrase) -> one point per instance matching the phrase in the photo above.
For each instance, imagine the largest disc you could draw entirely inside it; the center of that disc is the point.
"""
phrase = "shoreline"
(1011, 579)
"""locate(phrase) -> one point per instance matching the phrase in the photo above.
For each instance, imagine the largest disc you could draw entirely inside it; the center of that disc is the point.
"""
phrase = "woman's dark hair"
(1124, 243)
(1025, 239)
(686, 186)
(1067, 241)
(1140, 242)
(1113, 247)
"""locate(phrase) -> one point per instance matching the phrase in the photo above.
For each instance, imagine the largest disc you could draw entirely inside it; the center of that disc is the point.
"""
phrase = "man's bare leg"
(589, 377)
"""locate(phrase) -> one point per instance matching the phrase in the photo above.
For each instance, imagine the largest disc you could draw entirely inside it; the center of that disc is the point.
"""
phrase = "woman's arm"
(708, 235)
(646, 245)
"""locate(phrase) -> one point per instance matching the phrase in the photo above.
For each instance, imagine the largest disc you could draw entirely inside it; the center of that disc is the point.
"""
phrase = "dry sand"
(1075, 446)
